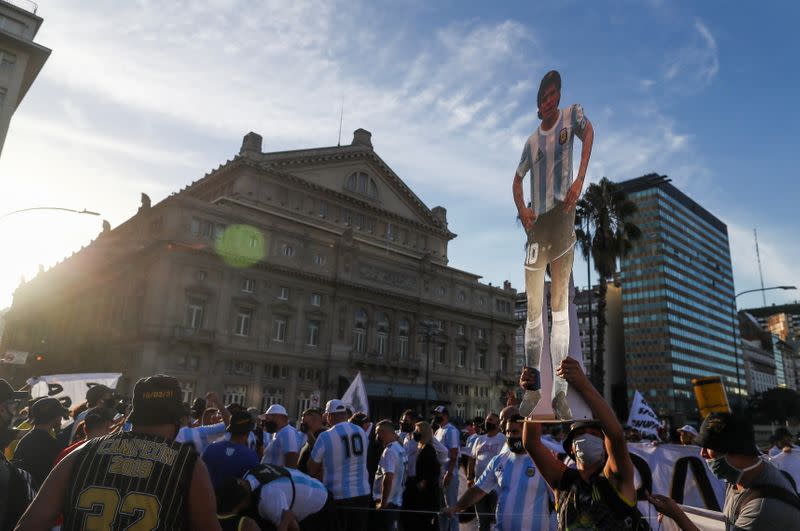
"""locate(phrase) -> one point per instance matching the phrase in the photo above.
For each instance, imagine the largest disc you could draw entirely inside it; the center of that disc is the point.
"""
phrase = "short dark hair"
(311, 411)
(409, 412)
(383, 424)
(550, 78)
(727, 433)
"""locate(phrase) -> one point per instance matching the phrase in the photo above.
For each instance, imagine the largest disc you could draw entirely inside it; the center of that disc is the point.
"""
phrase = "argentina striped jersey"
(342, 451)
(548, 156)
(523, 502)
(393, 461)
(284, 442)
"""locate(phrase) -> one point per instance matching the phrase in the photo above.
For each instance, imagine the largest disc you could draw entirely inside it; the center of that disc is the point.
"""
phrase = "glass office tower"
(677, 298)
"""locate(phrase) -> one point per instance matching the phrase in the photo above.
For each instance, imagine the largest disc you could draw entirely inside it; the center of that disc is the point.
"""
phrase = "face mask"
(723, 470)
(303, 427)
(589, 449)
(406, 427)
(491, 426)
(417, 436)
(271, 426)
(515, 445)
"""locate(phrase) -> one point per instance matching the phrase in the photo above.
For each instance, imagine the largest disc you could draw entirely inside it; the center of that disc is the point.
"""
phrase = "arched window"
(360, 331)
(383, 334)
(403, 328)
(361, 183)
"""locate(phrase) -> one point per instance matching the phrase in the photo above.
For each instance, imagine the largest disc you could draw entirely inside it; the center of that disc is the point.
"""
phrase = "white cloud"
(150, 98)
(697, 62)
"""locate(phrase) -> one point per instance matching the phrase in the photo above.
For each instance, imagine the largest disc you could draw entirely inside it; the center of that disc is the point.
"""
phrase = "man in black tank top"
(600, 494)
(142, 479)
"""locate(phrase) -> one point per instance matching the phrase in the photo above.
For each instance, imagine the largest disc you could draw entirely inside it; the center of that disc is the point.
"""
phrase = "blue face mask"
(723, 470)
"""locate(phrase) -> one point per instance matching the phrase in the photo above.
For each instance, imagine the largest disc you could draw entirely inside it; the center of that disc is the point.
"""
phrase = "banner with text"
(642, 417)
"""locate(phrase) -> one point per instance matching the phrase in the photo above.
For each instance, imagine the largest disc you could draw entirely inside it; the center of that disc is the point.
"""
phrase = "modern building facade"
(276, 278)
(677, 298)
(21, 59)
(782, 320)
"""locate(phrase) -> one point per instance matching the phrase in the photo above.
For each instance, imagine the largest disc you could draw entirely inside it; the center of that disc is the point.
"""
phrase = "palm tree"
(604, 232)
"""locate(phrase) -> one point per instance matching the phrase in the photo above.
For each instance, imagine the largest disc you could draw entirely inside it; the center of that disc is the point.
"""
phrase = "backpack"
(266, 474)
(768, 492)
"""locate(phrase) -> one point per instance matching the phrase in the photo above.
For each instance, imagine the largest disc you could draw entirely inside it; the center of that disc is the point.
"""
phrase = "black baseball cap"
(157, 400)
(241, 422)
(573, 431)
(96, 392)
(47, 408)
(727, 434)
(7, 392)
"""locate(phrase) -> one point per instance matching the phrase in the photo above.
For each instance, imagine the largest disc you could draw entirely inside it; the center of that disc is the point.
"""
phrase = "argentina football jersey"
(548, 156)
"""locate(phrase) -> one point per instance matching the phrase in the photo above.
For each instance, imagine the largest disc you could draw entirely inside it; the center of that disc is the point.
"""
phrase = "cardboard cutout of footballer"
(549, 222)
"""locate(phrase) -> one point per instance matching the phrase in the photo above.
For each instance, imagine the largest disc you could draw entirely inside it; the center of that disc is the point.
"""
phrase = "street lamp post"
(62, 209)
(736, 343)
(428, 329)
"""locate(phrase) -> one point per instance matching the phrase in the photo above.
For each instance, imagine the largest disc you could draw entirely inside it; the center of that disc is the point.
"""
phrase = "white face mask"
(589, 449)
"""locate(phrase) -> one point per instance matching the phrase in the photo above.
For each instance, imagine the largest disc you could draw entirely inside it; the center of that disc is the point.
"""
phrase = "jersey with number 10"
(342, 450)
(129, 481)
(548, 156)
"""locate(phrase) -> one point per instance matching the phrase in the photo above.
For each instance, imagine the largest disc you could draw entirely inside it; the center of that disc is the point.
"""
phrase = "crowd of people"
(163, 464)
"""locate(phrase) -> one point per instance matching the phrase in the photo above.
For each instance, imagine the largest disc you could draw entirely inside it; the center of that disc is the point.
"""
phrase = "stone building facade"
(276, 278)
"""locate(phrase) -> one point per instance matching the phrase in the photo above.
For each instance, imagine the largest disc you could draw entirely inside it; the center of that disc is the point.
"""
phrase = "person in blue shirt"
(227, 459)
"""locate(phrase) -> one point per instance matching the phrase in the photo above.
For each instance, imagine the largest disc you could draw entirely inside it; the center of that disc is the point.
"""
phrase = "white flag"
(356, 395)
(642, 417)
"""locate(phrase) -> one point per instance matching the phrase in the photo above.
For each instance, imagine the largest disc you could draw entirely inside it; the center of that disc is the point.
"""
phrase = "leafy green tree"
(778, 404)
(604, 232)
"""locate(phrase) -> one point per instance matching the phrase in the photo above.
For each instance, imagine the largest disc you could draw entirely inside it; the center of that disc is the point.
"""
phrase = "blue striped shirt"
(548, 156)
(342, 451)
(523, 502)
(284, 442)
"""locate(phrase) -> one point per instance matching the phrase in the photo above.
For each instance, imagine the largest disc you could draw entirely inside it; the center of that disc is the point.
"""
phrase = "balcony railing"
(200, 335)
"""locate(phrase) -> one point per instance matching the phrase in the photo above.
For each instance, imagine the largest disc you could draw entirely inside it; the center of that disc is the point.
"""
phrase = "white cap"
(335, 406)
(276, 409)
(690, 430)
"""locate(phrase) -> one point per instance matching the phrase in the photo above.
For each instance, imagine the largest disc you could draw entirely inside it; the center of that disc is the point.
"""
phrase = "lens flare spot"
(241, 245)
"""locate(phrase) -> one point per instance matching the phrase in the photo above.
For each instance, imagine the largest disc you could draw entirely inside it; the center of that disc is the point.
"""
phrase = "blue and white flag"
(356, 395)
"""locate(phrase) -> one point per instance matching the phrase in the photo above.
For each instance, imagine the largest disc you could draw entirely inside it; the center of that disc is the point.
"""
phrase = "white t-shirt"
(393, 461)
(310, 496)
(485, 448)
(788, 462)
(412, 448)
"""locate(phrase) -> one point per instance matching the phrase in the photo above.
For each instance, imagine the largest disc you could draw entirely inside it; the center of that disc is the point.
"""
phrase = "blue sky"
(148, 96)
